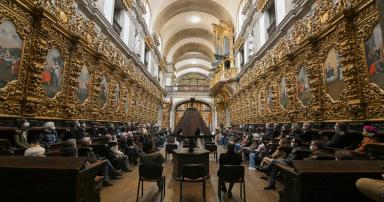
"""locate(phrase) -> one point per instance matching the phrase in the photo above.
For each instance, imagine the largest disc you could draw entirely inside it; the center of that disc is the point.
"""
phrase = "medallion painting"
(303, 87)
(283, 93)
(52, 75)
(84, 84)
(126, 106)
(333, 74)
(270, 98)
(117, 96)
(10, 53)
(375, 55)
(103, 96)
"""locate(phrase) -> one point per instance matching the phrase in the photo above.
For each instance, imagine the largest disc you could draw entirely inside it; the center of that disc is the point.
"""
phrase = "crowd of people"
(263, 147)
(121, 145)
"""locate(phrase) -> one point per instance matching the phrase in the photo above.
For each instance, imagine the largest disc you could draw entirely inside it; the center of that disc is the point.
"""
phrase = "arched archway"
(206, 109)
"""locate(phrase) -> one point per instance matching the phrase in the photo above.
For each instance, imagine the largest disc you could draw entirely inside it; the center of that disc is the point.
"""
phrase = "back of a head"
(231, 147)
(148, 147)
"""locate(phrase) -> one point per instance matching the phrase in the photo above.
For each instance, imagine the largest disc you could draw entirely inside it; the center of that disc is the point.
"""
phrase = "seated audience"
(245, 151)
(297, 148)
(341, 138)
(307, 134)
(295, 131)
(49, 134)
(258, 153)
(77, 132)
(370, 134)
(228, 158)
(280, 153)
(118, 159)
(318, 152)
(69, 148)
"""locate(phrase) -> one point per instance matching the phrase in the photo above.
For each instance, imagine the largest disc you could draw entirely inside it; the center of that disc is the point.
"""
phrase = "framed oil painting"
(103, 96)
(52, 75)
(283, 92)
(270, 98)
(333, 74)
(117, 95)
(374, 51)
(10, 53)
(126, 105)
(84, 84)
(303, 87)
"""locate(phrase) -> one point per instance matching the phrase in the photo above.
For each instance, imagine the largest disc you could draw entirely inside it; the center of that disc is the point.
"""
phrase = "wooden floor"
(124, 190)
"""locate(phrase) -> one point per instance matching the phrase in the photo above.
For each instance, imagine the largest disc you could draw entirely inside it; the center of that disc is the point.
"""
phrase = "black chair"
(150, 173)
(192, 173)
(169, 150)
(212, 148)
(232, 174)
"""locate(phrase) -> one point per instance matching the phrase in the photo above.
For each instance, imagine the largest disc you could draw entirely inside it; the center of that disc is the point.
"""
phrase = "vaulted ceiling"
(185, 28)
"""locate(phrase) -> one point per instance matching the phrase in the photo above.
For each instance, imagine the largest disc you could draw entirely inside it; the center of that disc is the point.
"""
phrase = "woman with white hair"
(49, 135)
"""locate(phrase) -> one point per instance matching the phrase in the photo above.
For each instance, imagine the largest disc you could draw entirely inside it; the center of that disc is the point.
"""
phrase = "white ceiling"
(170, 17)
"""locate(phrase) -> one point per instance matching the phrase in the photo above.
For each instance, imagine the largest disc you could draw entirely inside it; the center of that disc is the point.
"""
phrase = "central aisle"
(124, 190)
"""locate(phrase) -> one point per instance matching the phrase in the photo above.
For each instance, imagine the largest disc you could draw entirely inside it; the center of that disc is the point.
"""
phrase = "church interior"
(192, 100)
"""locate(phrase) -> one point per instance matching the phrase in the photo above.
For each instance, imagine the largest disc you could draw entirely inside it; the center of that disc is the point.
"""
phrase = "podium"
(183, 156)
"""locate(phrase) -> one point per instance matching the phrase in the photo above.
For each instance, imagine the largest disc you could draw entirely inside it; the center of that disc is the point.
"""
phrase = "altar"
(183, 156)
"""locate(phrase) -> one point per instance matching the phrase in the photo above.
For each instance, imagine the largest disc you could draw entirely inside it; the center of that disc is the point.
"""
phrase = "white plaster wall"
(281, 10)
(193, 61)
(107, 8)
(180, 43)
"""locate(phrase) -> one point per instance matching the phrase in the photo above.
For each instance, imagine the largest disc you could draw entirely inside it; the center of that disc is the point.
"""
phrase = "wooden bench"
(47, 179)
(326, 180)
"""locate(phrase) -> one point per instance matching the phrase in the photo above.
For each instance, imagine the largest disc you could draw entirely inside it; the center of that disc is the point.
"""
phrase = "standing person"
(228, 158)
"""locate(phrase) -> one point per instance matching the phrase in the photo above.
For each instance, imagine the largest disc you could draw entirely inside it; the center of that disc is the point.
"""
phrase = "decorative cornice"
(261, 4)
(127, 4)
(149, 41)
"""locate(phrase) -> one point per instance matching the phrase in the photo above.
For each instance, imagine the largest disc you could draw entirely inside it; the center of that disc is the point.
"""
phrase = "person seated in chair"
(118, 159)
(280, 153)
(228, 158)
(297, 148)
(49, 134)
(370, 134)
(256, 156)
(21, 136)
(77, 132)
(340, 138)
(150, 157)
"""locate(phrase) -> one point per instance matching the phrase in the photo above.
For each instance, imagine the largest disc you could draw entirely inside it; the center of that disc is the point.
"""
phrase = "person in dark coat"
(341, 138)
(228, 158)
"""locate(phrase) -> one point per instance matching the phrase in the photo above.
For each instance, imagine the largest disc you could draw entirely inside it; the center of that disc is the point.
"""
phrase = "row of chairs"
(193, 173)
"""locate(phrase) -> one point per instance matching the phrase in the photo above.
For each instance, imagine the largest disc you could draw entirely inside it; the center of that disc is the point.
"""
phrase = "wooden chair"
(232, 174)
(150, 173)
(192, 173)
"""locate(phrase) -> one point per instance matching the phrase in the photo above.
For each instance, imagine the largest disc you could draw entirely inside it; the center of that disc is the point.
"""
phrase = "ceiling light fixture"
(195, 19)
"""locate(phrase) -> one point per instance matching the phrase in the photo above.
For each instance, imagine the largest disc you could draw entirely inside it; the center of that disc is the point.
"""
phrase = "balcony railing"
(188, 88)
(223, 75)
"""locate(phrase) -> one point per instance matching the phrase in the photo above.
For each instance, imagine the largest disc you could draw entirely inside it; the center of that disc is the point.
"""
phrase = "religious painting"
(126, 106)
(260, 103)
(84, 84)
(270, 98)
(333, 74)
(283, 92)
(103, 96)
(375, 55)
(303, 87)
(52, 75)
(10, 53)
(117, 95)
